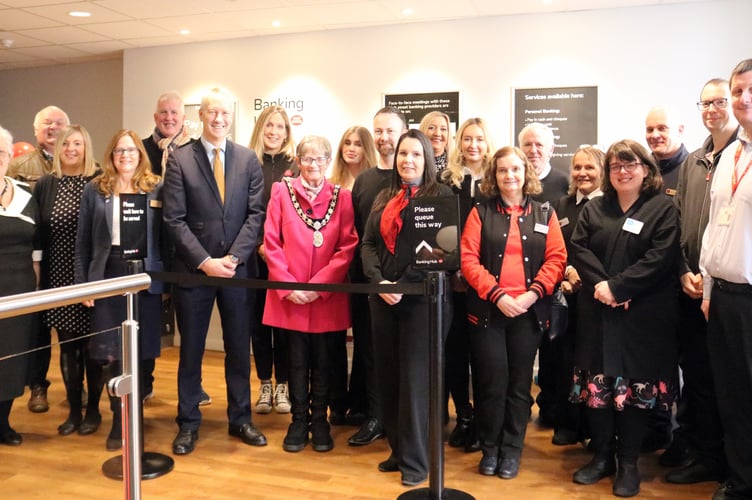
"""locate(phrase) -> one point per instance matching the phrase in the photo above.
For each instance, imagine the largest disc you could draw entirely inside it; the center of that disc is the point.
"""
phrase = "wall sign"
(416, 106)
(433, 223)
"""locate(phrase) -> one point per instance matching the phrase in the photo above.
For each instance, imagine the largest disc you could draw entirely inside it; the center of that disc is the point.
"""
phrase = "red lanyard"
(735, 177)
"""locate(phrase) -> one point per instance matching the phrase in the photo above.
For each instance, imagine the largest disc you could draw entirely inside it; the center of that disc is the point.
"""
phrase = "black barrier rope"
(84, 336)
(420, 288)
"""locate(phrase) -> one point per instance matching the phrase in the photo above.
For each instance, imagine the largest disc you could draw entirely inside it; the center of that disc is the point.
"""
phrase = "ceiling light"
(79, 13)
(276, 24)
(185, 32)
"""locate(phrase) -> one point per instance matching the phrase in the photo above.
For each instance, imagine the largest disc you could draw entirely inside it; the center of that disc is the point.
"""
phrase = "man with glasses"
(663, 133)
(726, 269)
(213, 210)
(29, 167)
(698, 441)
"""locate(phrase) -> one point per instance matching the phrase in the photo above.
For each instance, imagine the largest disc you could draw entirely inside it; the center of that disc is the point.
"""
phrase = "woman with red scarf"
(400, 322)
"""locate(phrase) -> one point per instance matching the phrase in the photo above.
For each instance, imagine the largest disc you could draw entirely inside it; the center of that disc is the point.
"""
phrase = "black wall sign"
(434, 229)
(133, 226)
(416, 106)
(571, 112)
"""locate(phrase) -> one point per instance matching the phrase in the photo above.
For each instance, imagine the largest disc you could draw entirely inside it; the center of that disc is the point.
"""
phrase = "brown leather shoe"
(38, 400)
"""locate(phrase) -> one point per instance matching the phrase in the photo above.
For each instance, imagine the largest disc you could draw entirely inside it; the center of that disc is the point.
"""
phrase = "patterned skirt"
(600, 391)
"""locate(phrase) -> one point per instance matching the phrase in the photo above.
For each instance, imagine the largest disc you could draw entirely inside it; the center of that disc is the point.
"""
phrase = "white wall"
(638, 57)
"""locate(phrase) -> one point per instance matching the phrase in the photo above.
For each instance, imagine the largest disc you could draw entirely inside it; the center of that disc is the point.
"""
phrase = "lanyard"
(735, 177)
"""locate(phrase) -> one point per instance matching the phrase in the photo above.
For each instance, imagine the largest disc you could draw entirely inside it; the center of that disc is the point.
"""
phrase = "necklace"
(2, 195)
(315, 224)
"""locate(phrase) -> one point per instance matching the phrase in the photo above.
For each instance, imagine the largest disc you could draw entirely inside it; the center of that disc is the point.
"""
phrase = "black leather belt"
(728, 286)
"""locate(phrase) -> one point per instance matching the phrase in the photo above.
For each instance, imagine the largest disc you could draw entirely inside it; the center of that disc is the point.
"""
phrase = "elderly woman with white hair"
(19, 273)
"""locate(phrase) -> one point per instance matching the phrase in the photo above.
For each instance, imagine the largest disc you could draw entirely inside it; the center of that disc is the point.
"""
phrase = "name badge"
(632, 226)
(541, 228)
(155, 203)
(564, 222)
(724, 216)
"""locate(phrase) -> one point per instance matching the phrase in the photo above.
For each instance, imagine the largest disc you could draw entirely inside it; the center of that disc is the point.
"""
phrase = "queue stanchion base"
(153, 465)
(427, 494)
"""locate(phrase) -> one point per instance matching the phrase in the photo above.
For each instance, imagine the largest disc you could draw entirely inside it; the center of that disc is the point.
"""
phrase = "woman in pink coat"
(309, 237)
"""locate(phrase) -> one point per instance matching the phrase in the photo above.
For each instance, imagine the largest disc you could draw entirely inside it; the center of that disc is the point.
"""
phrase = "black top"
(555, 185)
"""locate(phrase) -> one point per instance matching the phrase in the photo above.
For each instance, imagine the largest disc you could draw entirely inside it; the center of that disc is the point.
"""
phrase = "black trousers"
(401, 351)
(730, 351)
(363, 394)
(502, 358)
(39, 361)
(699, 423)
(310, 357)
(457, 358)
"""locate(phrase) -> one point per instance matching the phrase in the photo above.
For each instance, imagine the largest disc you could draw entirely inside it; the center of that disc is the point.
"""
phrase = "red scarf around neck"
(391, 218)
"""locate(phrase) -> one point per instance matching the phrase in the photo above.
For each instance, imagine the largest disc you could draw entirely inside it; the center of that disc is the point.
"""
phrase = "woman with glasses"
(19, 273)
(272, 142)
(624, 247)
(59, 196)
(126, 171)
(309, 236)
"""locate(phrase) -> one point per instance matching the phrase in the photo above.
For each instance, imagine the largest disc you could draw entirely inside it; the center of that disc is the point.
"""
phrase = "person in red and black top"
(513, 255)
(399, 323)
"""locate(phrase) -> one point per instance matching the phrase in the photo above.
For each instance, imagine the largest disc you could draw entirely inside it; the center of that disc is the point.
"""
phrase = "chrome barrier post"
(437, 289)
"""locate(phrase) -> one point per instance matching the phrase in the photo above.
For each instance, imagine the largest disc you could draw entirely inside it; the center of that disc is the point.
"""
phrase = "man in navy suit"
(213, 217)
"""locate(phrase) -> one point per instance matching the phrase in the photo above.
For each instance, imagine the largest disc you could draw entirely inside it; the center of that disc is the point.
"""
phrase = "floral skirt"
(600, 391)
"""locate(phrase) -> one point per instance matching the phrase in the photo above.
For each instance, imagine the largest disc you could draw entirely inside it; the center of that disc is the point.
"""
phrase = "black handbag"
(559, 316)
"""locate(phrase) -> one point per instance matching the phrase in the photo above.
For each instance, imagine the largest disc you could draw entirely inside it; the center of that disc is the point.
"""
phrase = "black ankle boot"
(627, 482)
(602, 465)
(459, 436)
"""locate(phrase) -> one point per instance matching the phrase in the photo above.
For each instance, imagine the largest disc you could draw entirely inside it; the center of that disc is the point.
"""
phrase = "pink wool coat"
(291, 256)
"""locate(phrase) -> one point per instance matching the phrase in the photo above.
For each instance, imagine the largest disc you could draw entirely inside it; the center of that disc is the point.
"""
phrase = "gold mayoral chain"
(316, 224)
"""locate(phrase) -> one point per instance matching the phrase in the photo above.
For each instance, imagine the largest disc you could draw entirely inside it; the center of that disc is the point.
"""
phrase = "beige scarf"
(167, 145)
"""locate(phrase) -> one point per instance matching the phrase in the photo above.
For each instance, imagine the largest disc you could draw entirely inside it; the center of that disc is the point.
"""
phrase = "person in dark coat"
(625, 246)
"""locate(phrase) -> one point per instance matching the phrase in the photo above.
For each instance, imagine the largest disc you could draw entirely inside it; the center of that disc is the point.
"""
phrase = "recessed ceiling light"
(185, 32)
(408, 11)
(276, 24)
(79, 13)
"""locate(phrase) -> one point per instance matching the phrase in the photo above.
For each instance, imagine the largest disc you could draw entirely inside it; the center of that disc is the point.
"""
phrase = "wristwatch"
(233, 258)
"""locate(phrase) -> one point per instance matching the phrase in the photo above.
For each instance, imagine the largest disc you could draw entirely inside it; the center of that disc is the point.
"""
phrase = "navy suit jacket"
(198, 223)
(94, 237)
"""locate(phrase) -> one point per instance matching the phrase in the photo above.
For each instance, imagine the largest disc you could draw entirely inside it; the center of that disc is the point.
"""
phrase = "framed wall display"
(571, 112)
(195, 127)
(415, 106)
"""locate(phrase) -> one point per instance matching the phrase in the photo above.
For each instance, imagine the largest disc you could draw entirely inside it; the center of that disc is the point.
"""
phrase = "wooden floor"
(51, 466)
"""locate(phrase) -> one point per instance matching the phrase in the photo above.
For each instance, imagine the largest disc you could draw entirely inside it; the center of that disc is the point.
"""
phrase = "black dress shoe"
(627, 482)
(564, 437)
(595, 470)
(509, 468)
(184, 442)
(370, 431)
(70, 425)
(676, 455)
(391, 464)
(488, 465)
(90, 424)
(248, 434)
(11, 437)
(694, 473)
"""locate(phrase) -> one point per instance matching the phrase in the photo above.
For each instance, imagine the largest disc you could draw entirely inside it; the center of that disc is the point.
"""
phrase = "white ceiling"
(40, 32)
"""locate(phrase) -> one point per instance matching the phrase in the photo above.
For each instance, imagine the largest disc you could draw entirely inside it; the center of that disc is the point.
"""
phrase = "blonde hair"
(257, 136)
(340, 172)
(90, 166)
(143, 178)
(454, 173)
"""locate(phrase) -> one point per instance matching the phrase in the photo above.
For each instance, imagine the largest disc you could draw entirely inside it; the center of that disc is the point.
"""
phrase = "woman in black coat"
(624, 247)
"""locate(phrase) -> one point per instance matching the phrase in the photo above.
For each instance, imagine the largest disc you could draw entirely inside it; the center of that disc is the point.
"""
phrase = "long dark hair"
(430, 185)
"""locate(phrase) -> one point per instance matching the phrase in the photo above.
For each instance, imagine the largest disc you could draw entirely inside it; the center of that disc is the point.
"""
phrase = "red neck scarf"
(391, 218)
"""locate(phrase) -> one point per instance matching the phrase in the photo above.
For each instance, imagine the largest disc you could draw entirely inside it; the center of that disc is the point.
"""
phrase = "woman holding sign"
(513, 256)
(400, 326)
(99, 255)
(624, 247)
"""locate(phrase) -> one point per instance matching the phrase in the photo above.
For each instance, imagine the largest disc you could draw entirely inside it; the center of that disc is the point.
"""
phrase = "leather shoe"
(488, 465)
(248, 434)
(38, 400)
(694, 473)
(70, 425)
(413, 479)
(564, 437)
(726, 492)
(90, 424)
(676, 455)
(595, 470)
(11, 437)
(370, 431)
(184, 442)
(391, 464)
(509, 468)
